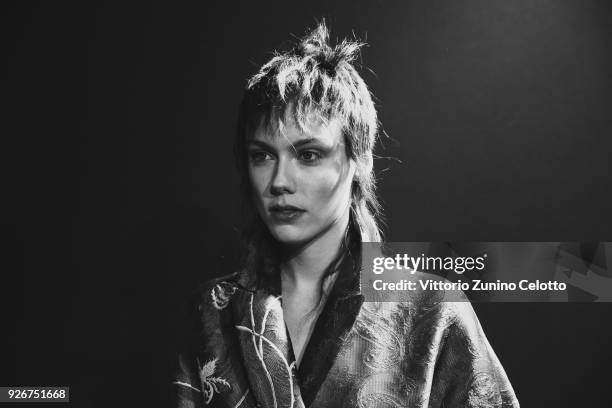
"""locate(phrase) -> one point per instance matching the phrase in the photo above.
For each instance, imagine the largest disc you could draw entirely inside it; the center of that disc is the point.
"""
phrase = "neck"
(307, 263)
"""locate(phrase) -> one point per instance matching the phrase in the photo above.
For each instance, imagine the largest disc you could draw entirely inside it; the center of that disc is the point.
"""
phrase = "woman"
(292, 328)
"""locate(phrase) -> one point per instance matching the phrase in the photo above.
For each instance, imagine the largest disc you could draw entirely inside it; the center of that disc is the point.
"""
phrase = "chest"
(300, 314)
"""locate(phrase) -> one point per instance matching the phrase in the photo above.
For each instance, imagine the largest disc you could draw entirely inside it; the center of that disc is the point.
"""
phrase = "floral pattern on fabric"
(424, 352)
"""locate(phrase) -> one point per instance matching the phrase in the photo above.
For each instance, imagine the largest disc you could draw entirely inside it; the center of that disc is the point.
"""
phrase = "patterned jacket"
(423, 352)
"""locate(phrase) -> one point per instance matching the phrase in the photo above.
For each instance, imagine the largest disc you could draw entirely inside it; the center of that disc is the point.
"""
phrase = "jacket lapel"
(330, 332)
(266, 350)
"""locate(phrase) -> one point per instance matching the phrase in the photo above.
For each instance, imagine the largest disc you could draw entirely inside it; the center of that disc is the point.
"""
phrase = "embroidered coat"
(424, 352)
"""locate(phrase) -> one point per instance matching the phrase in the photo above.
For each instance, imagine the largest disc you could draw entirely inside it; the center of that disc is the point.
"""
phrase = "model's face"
(301, 180)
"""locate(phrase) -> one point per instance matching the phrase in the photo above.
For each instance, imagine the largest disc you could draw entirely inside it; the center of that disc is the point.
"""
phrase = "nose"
(283, 179)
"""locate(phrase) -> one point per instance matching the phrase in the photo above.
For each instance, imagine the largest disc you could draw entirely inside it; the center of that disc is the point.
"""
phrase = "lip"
(285, 213)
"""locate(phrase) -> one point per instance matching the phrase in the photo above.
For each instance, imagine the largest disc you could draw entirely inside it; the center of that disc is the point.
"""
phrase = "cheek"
(323, 189)
(330, 190)
(257, 181)
(257, 187)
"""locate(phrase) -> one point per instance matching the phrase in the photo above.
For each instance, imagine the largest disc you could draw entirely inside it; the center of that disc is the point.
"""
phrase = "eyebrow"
(297, 144)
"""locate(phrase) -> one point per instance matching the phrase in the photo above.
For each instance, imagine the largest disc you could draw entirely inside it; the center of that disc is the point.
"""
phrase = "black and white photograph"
(307, 204)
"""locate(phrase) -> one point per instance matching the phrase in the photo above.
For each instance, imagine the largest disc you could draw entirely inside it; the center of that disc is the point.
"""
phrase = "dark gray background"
(121, 193)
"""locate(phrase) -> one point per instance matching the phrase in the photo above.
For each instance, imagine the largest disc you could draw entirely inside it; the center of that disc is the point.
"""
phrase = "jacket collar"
(331, 329)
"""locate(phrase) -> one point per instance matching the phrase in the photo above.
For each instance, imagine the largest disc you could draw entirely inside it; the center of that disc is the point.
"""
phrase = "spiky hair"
(314, 78)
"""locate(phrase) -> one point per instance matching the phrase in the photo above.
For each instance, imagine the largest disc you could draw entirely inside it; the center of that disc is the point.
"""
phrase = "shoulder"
(216, 294)
(434, 313)
(206, 344)
(429, 296)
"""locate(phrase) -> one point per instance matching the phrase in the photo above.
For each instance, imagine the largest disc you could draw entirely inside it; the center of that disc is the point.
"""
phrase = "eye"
(259, 156)
(310, 156)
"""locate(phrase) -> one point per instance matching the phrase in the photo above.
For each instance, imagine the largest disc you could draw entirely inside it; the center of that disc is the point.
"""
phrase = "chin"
(288, 234)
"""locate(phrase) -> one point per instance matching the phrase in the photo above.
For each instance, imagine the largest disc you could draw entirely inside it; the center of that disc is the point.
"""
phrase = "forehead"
(285, 130)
